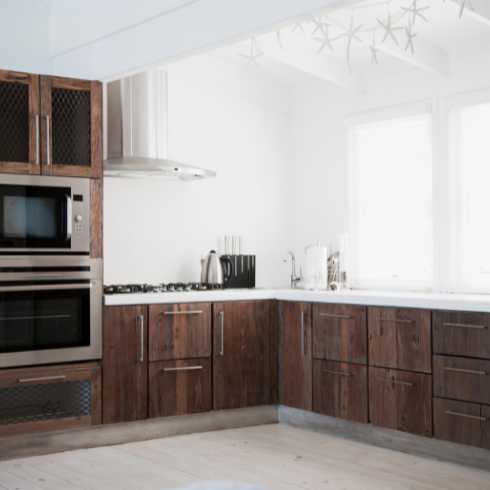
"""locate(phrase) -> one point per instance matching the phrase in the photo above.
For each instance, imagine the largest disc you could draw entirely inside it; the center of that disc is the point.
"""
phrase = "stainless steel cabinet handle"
(336, 372)
(69, 216)
(53, 287)
(36, 118)
(396, 382)
(41, 379)
(394, 320)
(336, 316)
(467, 416)
(464, 326)
(465, 371)
(142, 337)
(197, 312)
(302, 333)
(222, 353)
(182, 368)
(48, 158)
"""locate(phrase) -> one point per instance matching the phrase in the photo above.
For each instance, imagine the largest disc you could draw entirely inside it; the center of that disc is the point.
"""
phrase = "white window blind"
(469, 199)
(390, 204)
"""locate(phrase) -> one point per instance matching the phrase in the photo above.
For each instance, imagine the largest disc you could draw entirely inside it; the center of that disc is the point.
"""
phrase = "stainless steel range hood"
(137, 131)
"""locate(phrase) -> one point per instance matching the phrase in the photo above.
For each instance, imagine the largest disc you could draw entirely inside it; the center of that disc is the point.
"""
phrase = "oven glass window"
(40, 320)
(34, 217)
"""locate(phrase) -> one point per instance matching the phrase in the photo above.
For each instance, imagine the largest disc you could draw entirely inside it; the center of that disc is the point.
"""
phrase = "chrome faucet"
(294, 278)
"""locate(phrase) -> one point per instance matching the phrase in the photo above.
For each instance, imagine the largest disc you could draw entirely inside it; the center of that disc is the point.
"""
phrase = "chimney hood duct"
(137, 131)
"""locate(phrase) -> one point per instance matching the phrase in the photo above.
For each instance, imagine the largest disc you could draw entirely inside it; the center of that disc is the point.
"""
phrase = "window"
(469, 199)
(391, 203)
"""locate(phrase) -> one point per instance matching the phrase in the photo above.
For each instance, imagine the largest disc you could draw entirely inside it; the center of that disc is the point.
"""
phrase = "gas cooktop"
(160, 288)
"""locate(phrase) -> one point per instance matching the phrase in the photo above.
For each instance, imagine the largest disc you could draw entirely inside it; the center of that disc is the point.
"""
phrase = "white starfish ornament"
(319, 24)
(389, 29)
(300, 25)
(415, 11)
(410, 36)
(463, 5)
(374, 57)
(253, 56)
(325, 40)
(279, 38)
(351, 34)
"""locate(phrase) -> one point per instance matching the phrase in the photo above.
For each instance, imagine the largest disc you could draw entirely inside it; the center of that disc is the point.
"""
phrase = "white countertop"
(432, 301)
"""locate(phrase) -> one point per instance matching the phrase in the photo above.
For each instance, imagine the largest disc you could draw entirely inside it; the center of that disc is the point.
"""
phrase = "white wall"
(157, 231)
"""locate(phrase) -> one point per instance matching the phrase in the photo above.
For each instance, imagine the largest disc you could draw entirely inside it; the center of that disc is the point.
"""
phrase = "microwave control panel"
(78, 228)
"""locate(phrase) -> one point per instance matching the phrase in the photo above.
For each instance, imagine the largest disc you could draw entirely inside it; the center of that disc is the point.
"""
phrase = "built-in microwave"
(44, 215)
(50, 310)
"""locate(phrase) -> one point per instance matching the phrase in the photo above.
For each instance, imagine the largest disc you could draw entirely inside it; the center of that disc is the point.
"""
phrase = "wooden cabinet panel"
(401, 400)
(340, 333)
(180, 331)
(462, 379)
(485, 425)
(297, 368)
(125, 364)
(399, 339)
(461, 334)
(241, 369)
(179, 387)
(340, 390)
(457, 421)
(19, 123)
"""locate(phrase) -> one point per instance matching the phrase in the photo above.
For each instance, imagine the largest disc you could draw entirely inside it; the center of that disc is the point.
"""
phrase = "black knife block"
(243, 271)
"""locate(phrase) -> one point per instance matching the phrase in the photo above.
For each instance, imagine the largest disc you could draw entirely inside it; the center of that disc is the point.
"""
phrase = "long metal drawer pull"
(48, 159)
(222, 353)
(481, 327)
(336, 316)
(182, 312)
(41, 317)
(467, 416)
(36, 118)
(396, 382)
(465, 371)
(53, 287)
(189, 368)
(336, 372)
(395, 320)
(302, 333)
(142, 319)
(41, 379)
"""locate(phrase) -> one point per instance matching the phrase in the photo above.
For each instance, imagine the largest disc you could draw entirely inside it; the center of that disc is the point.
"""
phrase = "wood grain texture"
(241, 374)
(71, 83)
(125, 377)
(485, 427)
(274, 351)
(96, 135)
(393, 343)
(297, 368)
(340, 339)
(96, 218)
(467, 384)
(45, 426)
(46, 146)
(337, 395)
(96, 396)
(179, 392)
(403, 403)
(14, 77)
(34, 110)
(461, 341)
(182, 335)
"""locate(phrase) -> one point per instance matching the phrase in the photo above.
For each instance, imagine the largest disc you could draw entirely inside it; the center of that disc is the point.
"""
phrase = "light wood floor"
(271, 456)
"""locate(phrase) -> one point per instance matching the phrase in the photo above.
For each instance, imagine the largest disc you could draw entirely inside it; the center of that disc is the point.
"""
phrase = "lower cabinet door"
(401, 400)
(340, 390)
(179, 387)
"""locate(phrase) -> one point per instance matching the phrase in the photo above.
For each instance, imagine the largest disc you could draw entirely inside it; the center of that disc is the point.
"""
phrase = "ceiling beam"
(480, 12)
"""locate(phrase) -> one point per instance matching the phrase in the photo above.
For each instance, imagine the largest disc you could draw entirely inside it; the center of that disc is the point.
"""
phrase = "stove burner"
(160, 288)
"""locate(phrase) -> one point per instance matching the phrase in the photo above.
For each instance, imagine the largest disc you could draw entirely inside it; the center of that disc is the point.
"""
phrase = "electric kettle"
(213, 271)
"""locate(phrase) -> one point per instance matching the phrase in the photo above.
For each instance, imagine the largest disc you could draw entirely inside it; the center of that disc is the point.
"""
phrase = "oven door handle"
(69, 212)
(47, 287)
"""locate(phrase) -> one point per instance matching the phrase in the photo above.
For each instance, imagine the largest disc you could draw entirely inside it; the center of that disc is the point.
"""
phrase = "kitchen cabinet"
(340, 333)
(39, 399)
(71, 127)
(179, 387)
(241, 370)
(461, 334)
(20, 136)
(401, 400)
(297, 369)
(400, 339)
(180, 331)
(125, 364)
(340, 390)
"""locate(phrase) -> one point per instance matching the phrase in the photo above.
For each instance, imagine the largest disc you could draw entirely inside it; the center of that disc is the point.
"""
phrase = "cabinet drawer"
(180, 331)
(340, 390)
(399, 339)
(462, 422)
(461, 334)
(401, 400)
(462, 379)
(179, 387)
(340, 333)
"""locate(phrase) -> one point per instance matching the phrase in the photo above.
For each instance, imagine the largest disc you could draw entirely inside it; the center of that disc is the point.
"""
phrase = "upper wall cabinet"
(19, 123)
(71, 127)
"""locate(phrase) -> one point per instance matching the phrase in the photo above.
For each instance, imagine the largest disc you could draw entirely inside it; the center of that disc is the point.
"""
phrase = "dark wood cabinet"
(71, 127)
(399, 339)
(20, 121)
(125, 364)
(241, 369)
(340, 333)
(179, 387)
(297, 368)
(401, 400)
(180, 331)
(461, 334)
(340, 390)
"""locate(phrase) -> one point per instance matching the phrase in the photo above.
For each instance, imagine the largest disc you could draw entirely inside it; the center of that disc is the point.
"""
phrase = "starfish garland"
(410, 36)
(253, 56)
(325, 40)
(389, 29)
(300, 25)
(351, 34)
(415, 11)
(319, 25)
